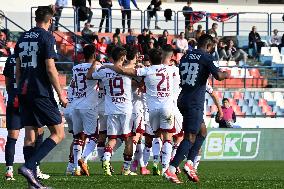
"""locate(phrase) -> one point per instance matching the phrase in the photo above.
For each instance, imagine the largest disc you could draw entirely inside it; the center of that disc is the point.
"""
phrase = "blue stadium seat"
(227, 94)
(247, 95)
(279, 113)
(257, 95)
(252, 102)
(276, 108)
(242, 102)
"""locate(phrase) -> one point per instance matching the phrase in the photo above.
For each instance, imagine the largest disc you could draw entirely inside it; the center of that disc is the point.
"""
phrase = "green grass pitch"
(226, 174)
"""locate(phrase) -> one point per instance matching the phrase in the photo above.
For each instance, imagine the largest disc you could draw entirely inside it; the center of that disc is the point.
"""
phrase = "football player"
(195, 68)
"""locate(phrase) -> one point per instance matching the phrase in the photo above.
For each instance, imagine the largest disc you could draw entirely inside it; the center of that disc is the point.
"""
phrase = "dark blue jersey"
(195, 68)
(33, 48)
(10, 72)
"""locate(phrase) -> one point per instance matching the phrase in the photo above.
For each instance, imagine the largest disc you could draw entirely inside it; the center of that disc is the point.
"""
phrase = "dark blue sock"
(39, 142)
(40, 153)
(182, 152)
(10, 151)
(195, 149)
(28, 152)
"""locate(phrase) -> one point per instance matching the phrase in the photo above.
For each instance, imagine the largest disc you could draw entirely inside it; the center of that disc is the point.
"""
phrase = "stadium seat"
(262, 102)
(247, 95)
(274, 51)
(242, 102)
(245, 108)
(257, 95)
(238, 95)
(232, 63)
(265, 51)
(282, 51)
(277, 95)
(223, 63)
(267, 95)
(232, 102)
(227, 94)
(276, 108)
(235, 72)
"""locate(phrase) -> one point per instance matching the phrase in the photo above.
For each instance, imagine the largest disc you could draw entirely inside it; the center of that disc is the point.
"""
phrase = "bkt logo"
(232, 145)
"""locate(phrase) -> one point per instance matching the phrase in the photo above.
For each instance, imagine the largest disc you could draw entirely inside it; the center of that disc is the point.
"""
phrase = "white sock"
(196, 162)
(117, 145)
(101, 151)
(146, 157)
(77, 150)
(107, 154)
(175, 147)
(134, 148)
(89, 149)
(139, 152)
(126, 165)
(10, 168)
(166, 154)
(157, 144)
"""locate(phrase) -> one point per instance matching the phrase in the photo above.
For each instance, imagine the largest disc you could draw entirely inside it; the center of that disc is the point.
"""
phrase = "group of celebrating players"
(115, 102)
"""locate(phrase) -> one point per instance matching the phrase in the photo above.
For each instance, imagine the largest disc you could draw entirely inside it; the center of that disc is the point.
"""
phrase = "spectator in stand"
(181, 43)
(163, 40)
(255, 42)
(3, 40)
(143, 38)
(88, 35)
(101, 47)
(275, 39)
(131, 37)
(199, 32)
(187, 13)
(115, 41)
(59, 5)
(149, 47)
(83, 11)
(117, 33)
(235, 54)
(151, 36)
(126, 12)
(213, 31)
(229, 116)
(222, 51)
(152, 11)
(106, 14)
(137, 45)
(190, 33)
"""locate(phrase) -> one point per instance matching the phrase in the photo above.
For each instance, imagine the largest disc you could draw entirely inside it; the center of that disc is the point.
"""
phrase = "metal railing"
(171, 25)
(276, 22)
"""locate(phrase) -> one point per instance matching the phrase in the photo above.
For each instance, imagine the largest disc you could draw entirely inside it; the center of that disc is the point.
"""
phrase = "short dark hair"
(205, 40)
(167, 48)
(89, 51)
(225, 99)
(155, 56)
(118, 52)
(117, 31)
(43, 14)
(131, 52)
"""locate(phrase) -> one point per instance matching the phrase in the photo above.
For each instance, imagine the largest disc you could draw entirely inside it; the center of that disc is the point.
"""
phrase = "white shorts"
(68, 118)
(138, 122)
(119, 125)
(84, 120)
(162, 119)
(178, 122)
(102, 122)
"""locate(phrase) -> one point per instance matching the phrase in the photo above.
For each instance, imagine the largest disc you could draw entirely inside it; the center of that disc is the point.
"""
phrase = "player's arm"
(216, 102)
(216, 72)
(54, 80)
(121, 70)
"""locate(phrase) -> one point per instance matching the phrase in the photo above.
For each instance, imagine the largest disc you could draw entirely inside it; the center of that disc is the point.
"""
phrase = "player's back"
(118, 99)
(159, 86)
(195, 68)
(85, 93)
(33, 48)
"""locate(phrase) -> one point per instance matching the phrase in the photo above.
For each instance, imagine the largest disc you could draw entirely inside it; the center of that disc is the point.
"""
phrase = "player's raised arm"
(54, 79)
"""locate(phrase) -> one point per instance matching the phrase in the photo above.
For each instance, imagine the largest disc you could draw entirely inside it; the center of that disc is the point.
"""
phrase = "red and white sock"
(196, 162)
(175, 147)
(166, 154)
(146, 156)
(107, 154)
(77, 150)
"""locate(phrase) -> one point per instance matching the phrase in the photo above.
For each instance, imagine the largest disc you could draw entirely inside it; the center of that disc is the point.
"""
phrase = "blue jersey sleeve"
(211, 67)
(50, 48)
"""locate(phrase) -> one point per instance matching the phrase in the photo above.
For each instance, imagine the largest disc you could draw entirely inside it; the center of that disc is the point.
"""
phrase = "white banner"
(251, 123)
(19, 157)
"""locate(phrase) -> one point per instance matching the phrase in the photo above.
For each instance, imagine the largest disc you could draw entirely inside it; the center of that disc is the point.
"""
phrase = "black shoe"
(29, 175)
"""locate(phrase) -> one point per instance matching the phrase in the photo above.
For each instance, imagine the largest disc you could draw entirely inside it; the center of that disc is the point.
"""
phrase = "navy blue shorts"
(39, 111)
(13, 118)
(192, 115)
